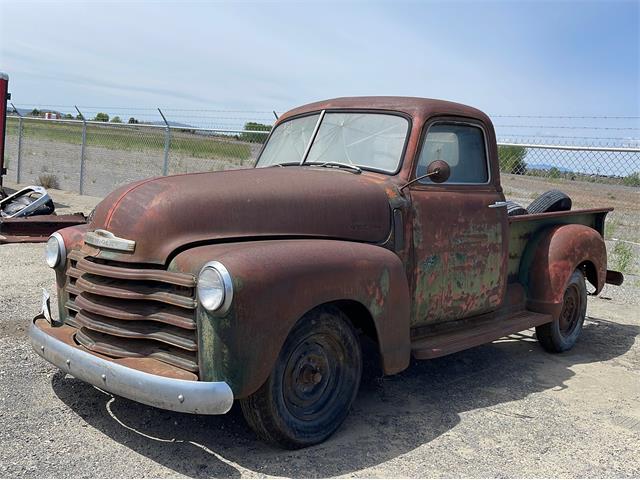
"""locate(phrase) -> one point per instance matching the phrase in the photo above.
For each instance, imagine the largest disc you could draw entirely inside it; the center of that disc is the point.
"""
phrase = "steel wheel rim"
(570, 313)
(313, 377)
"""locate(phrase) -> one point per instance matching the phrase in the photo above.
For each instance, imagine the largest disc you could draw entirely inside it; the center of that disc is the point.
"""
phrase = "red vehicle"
(5, 96)
(377, 218)
(26, 215)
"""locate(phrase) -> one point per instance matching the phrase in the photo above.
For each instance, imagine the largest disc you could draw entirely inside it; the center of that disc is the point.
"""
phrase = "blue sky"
(534, 58)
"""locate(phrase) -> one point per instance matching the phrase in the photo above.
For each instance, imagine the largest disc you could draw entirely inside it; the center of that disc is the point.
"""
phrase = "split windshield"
(372, 141)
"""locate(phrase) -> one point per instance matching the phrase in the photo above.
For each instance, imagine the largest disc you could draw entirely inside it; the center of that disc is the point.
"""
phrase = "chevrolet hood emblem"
(104, 239)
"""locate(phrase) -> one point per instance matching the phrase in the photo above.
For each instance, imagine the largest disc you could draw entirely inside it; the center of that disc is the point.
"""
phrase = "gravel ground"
(507, 409)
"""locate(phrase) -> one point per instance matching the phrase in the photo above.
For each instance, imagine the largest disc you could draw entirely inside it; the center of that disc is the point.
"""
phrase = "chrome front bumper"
(210, 398)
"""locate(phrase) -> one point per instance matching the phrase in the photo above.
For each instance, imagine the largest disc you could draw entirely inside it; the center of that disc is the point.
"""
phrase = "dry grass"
(48, 180)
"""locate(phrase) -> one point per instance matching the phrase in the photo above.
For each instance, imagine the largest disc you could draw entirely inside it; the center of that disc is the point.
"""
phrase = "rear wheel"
(562, 334)
(312, 385)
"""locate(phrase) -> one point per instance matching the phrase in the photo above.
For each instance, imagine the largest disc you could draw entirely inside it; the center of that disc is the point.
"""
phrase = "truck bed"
(523, 227)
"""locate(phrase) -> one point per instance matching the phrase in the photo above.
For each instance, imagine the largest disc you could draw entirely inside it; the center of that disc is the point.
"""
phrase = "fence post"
(167, 144)
(19, 160)
(84, 141)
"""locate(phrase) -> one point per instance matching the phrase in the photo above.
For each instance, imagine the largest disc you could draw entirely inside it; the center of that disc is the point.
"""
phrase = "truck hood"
(166, 213)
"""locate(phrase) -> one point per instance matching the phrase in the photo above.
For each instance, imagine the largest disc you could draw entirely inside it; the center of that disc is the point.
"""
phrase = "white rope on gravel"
(231, 463)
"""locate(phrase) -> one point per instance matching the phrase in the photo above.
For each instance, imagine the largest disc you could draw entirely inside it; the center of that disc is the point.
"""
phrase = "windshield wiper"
(284, 164)
(348, 166)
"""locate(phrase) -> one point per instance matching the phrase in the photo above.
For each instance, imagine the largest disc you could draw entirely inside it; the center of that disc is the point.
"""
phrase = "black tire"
(551, 201)
(562, 334)
(514, 209)
(312, 385)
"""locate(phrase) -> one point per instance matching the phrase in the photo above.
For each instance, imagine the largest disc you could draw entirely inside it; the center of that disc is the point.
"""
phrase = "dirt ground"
(105, 168)
(507, 409)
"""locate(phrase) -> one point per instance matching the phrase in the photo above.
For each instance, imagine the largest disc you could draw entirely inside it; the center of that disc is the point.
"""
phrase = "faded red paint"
(560, 251)
(428, 268)
(4, 99)
(276, 282)
(167, 213)
(36, 229)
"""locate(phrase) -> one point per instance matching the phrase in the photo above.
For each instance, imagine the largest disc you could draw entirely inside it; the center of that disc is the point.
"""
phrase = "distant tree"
(116, 119)
(78, 117)
(632, 180)
(255, 137)
(512, 159)
(101, 117)
(554, 172)
(132, 120)
(68, 116)
(35, 112)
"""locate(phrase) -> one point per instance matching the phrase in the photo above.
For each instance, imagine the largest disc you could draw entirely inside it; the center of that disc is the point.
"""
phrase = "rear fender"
(550, 258)
(275, 283)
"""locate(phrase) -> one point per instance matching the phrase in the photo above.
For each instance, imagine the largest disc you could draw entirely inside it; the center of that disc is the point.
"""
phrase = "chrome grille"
(134, 311)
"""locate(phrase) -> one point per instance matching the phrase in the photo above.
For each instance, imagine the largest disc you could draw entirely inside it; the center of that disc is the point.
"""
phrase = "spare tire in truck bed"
(514, 209)
(551, 201)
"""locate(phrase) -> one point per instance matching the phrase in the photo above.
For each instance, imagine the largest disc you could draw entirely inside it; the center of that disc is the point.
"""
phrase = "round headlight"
(54, 251)
(214, 287)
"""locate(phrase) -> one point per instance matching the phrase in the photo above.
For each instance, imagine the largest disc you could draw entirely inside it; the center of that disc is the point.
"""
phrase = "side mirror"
(438, 171)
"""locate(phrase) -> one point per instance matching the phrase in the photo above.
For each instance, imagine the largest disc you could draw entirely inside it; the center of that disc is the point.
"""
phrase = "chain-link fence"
(612, 165)
(94, 157)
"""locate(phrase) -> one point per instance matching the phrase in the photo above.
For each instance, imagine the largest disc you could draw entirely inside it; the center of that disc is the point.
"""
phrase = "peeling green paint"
(384, 282)
(459, 279)
(379, 296)
(522, 232)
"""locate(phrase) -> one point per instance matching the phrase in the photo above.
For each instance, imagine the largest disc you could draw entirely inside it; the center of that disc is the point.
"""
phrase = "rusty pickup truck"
(377, 219)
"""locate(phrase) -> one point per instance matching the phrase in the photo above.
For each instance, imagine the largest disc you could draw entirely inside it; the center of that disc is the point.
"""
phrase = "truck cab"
(378, 219)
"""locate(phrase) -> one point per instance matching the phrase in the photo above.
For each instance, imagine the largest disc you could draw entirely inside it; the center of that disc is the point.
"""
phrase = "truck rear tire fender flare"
(553, 255)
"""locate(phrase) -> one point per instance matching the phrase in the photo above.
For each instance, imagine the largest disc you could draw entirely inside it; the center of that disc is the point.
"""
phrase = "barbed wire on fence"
(571, 117)
(268, 112)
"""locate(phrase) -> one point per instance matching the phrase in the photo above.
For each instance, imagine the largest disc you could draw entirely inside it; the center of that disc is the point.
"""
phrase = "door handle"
(498, 205)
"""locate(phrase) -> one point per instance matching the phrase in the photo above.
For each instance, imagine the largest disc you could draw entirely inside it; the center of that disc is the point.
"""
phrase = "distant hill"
(25, 112)
(171, 124)
(21, 111)
(546, 166)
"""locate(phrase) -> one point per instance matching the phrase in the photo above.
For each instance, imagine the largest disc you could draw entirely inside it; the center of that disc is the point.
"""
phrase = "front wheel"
(312, 385)
(562, 334)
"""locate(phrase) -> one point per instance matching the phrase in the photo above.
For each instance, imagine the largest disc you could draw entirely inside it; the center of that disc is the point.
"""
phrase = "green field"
(126, 137)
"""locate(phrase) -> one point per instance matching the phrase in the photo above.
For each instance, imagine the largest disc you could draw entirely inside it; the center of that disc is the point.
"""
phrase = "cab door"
(459, 228)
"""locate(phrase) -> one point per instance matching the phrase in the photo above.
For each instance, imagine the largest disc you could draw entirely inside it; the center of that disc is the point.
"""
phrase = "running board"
(441, 343)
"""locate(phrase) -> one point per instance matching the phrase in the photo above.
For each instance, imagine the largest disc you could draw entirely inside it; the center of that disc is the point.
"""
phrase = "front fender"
(276, 283)
(551, 257)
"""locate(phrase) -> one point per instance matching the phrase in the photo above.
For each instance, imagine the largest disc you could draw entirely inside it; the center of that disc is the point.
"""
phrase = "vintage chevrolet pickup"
(374, 218)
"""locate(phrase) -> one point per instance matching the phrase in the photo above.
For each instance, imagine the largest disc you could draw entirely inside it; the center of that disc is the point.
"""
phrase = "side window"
(461, 146)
